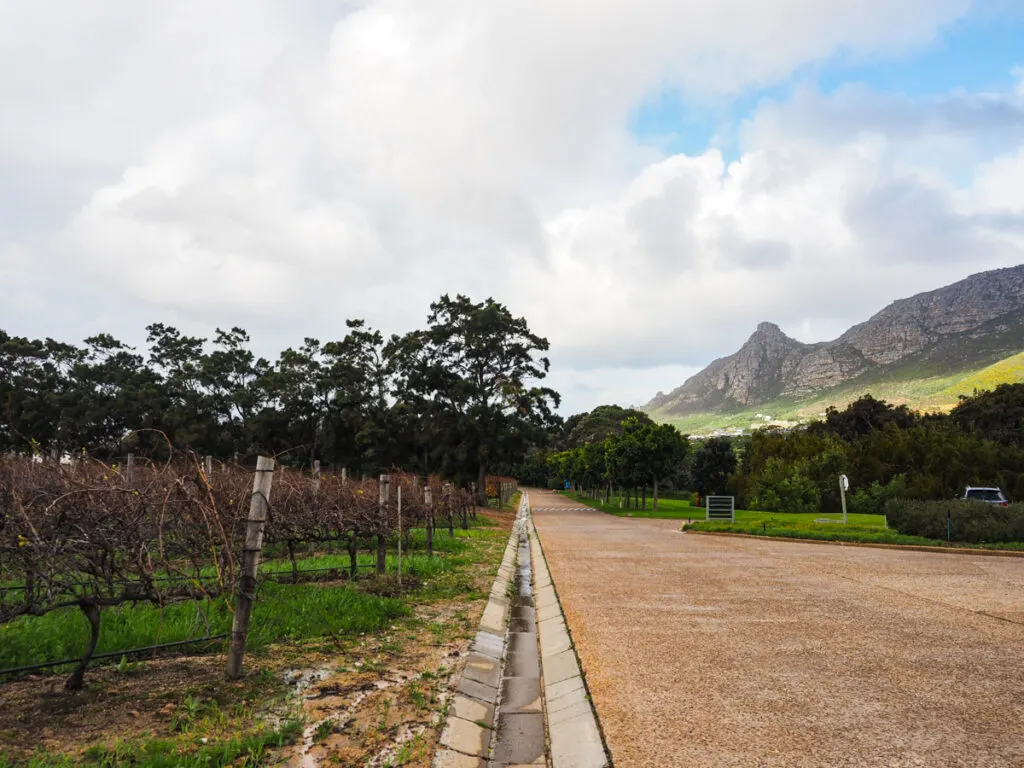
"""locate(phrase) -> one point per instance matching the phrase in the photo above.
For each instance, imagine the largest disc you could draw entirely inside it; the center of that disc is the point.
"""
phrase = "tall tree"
(472, 370)
(713, 462)
(665, 451)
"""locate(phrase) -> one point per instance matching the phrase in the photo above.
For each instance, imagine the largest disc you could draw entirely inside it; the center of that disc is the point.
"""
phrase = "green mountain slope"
(923, 351)
(917, 384)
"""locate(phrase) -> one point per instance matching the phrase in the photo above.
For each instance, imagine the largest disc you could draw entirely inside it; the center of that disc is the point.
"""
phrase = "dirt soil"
(374, 701)
(708, 651)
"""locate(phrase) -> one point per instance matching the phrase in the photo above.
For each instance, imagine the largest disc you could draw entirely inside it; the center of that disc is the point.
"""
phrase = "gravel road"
(712, 651)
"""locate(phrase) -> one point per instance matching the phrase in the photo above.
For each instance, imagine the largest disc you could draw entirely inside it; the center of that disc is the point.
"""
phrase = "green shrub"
(969, 521)
(782, 488)
(872, 499)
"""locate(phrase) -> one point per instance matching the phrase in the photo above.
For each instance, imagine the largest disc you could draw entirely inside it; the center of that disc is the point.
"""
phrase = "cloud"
(288, 166)
(812, 235)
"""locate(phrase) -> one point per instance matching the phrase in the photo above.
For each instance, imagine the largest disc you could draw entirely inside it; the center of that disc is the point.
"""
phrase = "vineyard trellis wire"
(91, 535)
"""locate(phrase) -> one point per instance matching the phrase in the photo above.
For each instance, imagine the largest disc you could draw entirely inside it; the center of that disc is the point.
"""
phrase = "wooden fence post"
(428, 502)
(451, 512)
(399, 534)
(316, 476)
(129, 469)
(208, 467)
(382, 539)
(259, 505)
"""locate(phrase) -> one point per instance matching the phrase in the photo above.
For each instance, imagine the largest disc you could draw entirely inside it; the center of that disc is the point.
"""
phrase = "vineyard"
(91, 538)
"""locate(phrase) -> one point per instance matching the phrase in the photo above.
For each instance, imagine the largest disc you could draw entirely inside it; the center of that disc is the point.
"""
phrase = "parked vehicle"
(988, 495)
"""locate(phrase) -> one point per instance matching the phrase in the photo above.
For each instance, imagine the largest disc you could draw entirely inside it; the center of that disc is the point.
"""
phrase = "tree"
(231, 376)
(665, 451)
(625, 455)
(713, 462)
(864, 415)
(471, 372)
(599, 424)
(996, 415)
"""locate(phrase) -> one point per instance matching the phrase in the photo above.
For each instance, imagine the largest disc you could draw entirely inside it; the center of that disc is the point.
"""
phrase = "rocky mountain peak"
(970, 322)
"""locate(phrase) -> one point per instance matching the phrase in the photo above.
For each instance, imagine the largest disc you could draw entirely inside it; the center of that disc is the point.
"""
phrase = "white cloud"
(288, 166)
(807, 234)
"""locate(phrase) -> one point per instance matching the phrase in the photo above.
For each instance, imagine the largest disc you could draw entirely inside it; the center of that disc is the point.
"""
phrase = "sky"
(644, 181)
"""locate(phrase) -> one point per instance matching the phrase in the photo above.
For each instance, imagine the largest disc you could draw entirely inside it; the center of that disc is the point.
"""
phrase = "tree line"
(888, 452)
(611, 448)
(460, 397)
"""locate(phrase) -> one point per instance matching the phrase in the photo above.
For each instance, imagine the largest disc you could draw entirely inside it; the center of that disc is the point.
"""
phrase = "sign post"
(844, 486)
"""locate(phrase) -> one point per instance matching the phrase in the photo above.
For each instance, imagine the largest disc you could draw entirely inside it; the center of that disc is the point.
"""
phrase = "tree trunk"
(92, 613)
(481, 484)
(430, 533)
(382, 553)
(643, 504)
(295, 563)
(353, 556)
(655, 505)
(29, 594)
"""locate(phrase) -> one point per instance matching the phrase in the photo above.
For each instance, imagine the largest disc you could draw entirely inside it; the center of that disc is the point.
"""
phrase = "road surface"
(712, 651)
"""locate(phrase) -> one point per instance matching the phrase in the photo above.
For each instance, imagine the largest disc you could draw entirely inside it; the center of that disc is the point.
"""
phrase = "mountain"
(941, 336)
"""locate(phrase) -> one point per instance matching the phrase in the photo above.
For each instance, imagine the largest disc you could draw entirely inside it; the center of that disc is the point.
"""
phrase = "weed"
(323, 730)
(186, 714)
(385, 707)
(416, 696)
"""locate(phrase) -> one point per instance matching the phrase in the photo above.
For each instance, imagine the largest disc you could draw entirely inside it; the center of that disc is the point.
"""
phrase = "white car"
(988, 495)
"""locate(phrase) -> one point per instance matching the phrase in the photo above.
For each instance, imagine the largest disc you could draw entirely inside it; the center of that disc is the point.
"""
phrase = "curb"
(574, 734)
(466, 737)
(868, 544)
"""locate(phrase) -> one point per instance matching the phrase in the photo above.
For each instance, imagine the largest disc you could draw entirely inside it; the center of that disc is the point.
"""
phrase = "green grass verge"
(679, 509)
(781, 529)
(859, 528)
(244, 751)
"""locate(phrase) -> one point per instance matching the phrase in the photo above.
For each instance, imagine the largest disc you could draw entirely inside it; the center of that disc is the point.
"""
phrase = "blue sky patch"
(978, 54)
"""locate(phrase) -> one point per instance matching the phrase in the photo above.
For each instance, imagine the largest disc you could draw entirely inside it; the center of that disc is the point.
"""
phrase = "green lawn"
(678, 509)
(815, 527)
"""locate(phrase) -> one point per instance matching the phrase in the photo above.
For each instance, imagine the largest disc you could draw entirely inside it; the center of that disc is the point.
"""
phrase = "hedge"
(968, 521)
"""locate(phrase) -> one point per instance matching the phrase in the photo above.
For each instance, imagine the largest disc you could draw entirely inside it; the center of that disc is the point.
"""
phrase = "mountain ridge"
(964, 326)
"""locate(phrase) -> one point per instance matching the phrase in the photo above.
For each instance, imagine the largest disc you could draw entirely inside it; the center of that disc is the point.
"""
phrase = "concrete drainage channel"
(522, 698)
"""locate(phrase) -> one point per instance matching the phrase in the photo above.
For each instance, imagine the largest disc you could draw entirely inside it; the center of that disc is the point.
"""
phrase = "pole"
(316, 475)
(382, 541)
(259, 504)
(399, 535)
(428, 502)
(842, 494)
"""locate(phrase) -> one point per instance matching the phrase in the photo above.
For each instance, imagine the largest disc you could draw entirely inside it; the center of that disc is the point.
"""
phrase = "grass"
(244, 751)
(284, 612)
(814, 527)
(218, 723)
(681, 509)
